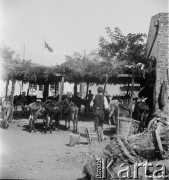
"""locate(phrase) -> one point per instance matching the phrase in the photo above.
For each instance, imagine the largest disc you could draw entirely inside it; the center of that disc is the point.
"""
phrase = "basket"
(127, 126)
(142, 141)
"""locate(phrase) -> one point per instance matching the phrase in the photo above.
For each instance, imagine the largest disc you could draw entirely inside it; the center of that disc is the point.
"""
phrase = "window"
(40, 87)
(35, 86)
(52, 87)
(30, 86)
(57, 87)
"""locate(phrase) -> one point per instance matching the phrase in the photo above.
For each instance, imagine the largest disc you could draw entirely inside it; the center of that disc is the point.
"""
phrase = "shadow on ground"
(86, 117)
(18, 115)
(39, 126)
(84, 178)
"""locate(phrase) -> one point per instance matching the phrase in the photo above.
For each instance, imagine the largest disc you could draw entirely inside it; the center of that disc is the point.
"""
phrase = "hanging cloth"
(161, 98)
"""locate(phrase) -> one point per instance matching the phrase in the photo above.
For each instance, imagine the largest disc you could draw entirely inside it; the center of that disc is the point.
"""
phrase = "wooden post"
(46, 91)
(12, 97)
(75, 89)
(132, 90)
(6, 88)
(87, 88)
(81, 90)
(28, 90)
(55, 89)
(128, 88)
(32, 90)
(61, 89)
(107, 77)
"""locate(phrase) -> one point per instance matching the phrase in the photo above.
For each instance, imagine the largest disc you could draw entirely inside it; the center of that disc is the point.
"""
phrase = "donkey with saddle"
(50, 110)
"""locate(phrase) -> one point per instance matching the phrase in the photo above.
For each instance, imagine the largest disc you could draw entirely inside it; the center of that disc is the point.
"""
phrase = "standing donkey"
(7, 110)
(70, 111)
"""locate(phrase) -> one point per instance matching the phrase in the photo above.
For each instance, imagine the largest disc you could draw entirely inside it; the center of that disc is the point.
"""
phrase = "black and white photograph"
(84, 89)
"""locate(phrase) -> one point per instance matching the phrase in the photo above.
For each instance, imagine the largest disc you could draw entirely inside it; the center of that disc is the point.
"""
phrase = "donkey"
(20, 101)
(36, 109)
(141, 113)
(54, 112)
(78, 102)
(7, 110)
(71, 113)
(117, 110)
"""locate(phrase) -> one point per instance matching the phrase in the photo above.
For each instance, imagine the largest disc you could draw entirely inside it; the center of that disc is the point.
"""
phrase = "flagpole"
(43, 60)
(23, 51)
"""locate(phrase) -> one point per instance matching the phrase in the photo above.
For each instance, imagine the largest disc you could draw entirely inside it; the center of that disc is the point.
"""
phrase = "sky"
(69, 26)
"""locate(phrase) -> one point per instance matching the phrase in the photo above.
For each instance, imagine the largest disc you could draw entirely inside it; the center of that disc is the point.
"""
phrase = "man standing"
(99, 103)
(89, 98)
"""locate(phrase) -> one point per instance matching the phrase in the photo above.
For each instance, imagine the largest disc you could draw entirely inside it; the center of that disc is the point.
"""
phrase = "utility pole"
(23, 51)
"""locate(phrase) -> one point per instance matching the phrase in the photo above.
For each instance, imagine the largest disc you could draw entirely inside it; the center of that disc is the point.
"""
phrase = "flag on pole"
(48, 47)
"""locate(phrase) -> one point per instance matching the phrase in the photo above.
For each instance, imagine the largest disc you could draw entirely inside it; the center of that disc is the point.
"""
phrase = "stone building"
(158, 49)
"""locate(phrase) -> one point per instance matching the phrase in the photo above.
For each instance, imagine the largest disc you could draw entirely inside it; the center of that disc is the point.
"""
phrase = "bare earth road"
(27, 155)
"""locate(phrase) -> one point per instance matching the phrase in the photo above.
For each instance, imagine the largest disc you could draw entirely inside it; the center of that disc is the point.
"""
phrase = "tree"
(121, 50)
(14, 69)
(114, 47)
(89, 68)
(127, 48)
(75, 69)
(7, 56)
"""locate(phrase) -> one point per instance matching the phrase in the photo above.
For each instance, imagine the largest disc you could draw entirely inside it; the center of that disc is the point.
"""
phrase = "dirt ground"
(37, 155)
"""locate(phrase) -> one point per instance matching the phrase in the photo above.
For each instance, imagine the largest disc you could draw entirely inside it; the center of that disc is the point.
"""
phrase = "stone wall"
(160, 51)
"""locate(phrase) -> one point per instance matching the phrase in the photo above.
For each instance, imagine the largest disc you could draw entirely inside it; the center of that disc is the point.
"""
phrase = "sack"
(74, 139)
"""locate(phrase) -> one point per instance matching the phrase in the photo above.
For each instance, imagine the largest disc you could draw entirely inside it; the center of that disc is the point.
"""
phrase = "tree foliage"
(13, 68)
(104, 68)
(124, 48)
(76, 67)
(24, 70)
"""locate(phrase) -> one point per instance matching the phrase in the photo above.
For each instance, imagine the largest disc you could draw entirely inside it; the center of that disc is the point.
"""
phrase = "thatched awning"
(124, 79)
(49, 79)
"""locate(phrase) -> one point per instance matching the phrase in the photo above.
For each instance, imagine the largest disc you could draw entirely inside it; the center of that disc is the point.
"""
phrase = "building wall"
(111, 89)
(160, 50)
(19, 89)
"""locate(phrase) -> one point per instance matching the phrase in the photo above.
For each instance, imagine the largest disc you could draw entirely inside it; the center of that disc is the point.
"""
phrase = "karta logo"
(103, 168)
(124, 171)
